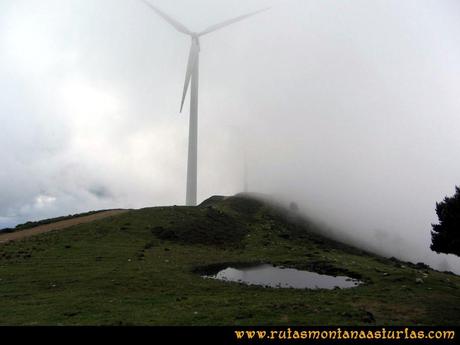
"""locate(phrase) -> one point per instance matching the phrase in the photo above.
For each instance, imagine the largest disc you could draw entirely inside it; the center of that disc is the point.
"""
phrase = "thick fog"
(349, 108)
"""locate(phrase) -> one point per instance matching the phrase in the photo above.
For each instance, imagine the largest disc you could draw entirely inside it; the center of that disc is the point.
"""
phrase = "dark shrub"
(445, 237)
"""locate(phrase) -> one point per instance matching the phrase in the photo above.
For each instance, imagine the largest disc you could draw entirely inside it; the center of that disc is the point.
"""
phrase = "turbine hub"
(196, 39)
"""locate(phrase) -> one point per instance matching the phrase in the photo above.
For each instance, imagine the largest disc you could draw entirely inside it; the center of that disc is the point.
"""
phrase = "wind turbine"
(191, 77)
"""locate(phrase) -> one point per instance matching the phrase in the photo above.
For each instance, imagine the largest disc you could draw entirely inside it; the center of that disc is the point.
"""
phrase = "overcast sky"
(350, 108)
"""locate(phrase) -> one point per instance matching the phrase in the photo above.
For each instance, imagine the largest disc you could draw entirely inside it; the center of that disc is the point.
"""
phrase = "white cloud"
(43, 201)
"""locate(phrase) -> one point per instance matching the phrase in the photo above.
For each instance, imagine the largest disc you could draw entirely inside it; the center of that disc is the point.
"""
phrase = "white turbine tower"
(191, 77)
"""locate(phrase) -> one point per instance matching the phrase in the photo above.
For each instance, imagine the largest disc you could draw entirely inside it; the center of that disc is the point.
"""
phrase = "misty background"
(349, 108)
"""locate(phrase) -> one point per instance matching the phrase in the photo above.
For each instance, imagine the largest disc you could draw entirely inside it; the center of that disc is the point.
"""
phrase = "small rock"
(419, 280)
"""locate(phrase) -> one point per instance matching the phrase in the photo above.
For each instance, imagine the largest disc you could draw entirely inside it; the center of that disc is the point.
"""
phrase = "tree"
(445, 237)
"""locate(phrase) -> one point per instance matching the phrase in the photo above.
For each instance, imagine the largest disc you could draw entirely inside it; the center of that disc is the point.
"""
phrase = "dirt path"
(57, 226)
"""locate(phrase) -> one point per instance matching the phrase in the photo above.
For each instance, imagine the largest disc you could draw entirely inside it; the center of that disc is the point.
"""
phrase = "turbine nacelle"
(196, 40)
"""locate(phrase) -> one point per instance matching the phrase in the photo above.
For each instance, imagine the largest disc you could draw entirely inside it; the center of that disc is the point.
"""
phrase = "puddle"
(278, 277)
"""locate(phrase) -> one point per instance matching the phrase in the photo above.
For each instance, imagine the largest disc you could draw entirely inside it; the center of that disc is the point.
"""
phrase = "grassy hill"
(143, 268)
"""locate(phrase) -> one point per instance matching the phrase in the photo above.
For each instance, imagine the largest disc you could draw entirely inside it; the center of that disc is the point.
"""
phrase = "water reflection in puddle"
(276, 277)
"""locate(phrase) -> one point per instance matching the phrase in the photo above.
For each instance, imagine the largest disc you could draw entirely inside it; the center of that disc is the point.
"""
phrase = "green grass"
(141, 268)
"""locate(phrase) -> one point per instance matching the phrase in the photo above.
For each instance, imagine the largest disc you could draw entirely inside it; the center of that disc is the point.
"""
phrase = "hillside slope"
(37, 228)
(143, 267)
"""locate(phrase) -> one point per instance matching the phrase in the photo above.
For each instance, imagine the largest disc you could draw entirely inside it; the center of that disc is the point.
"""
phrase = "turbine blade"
(194, 51)
(229, 22)
(179, 27)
